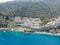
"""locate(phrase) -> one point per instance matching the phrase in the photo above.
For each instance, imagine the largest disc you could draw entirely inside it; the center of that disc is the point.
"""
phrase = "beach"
(52, 34)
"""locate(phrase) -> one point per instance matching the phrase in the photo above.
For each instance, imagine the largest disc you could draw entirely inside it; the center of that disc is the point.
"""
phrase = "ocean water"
(18, 38)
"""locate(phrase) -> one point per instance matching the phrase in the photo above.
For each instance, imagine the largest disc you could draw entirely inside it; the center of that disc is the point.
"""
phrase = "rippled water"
(18, 38)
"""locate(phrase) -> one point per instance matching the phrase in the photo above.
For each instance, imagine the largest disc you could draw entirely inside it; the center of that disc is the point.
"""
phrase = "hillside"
(28, 9)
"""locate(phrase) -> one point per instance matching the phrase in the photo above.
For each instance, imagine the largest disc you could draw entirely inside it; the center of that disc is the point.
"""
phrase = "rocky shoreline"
(27, 32)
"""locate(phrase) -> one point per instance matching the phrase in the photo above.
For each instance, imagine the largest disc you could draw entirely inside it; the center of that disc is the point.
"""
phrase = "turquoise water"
(18, 38)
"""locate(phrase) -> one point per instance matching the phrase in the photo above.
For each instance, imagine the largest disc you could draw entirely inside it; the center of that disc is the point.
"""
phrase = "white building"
(52, 23)
(17, 21)
(57, 21)
(31, 22)
(28, 22)
(25, 19)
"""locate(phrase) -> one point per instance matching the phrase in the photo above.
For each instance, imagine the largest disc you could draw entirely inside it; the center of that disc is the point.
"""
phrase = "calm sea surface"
(18, 38)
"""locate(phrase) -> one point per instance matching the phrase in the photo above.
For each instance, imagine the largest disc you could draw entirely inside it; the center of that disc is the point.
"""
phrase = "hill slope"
(29, 9)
